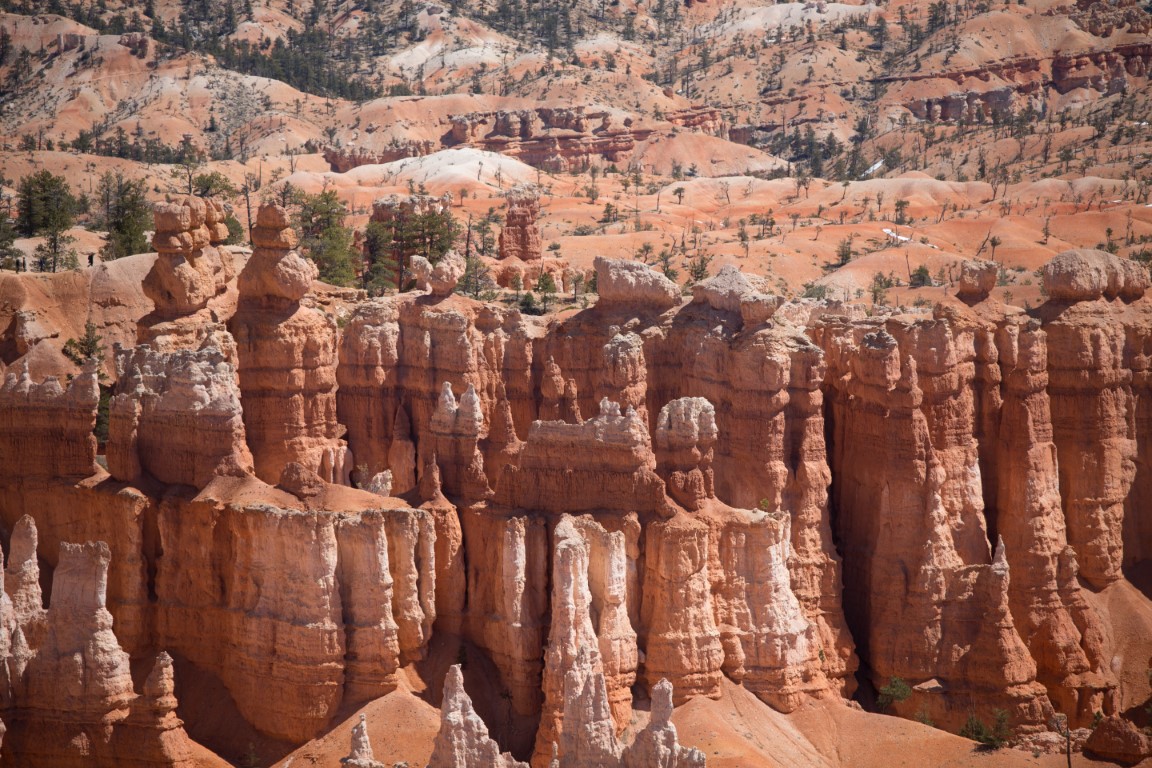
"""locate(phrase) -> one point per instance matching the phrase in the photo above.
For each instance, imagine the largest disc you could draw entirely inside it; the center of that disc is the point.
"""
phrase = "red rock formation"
(558, 139)
(29, 411)
(361, 755)
(520, 237)
(577, 647)
(330, 596)
(463, 738)
(688, 524)
(633, 285)
(507, 615)
(1119, 741)
(1090, 390)
(189, 274)
(287, 360)
(440, 279)
(455, 431)
(291, 611)
(176, 416)
(770, 645)
(75, 704)
(685, 438)
(679, 634)
(414, 565)
(396, 355)
(344, 159)
(616, 469)
(367, 597)
(906, 452)
(22, 580)
(1063, 635)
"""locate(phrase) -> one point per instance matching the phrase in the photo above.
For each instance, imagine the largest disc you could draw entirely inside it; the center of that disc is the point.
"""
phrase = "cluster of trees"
(311, 59)
(91, 14)
(123, 210)
(47, 207)
(384, 261)
(302, 59)
(389, 247)
(134, 146)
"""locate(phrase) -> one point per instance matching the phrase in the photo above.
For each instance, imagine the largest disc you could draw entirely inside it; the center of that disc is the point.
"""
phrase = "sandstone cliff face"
(30, 410)
(1064, 636)
(583, 554)
(1093, 409)
(287, 360)
(73, 702)
(176, 416)
(616, 471)
(634, 284)
(592, 506)
(520, 237)
(22, 580)
(336, 589)
(396, 355)
(681, 639)
(555, 138)
(907, 489)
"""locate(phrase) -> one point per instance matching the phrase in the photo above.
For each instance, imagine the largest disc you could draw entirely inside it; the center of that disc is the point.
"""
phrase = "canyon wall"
(645, 497)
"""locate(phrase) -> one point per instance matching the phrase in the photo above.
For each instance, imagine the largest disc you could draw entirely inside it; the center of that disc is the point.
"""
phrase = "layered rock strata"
(337, 599)
(176, 416)
(287, 360)
(72, 698)
(612, 498)
(190, 278)
(520, 237)
(1092, 401)
(907, 388)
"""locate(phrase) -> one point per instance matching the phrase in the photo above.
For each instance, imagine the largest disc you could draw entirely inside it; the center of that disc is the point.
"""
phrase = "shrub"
(993, 737)
(896, 690)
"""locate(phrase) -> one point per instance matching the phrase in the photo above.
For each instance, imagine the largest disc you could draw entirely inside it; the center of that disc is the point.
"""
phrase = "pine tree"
(45, 203)
(325, 239)
(8, 251)
(47, 207)
(381, 272)
(423, 230)
(125, 213)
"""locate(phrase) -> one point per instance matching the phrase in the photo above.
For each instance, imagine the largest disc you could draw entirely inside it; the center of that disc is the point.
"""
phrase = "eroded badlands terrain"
(575, 384)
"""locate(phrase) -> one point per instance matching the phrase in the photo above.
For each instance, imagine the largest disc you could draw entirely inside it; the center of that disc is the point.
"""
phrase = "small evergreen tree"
(325, 239)
(546, 285)
(45, 204)
(528, 305)
(477, 279)
(89, 348)
(236, 233)
(213, 184)
(698, 267)
(896, 690)
(125, 213)
(8, 251)
(994, 737)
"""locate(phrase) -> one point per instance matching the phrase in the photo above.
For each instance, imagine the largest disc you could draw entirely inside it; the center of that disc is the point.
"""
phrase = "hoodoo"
(575, 385)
